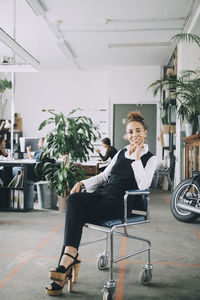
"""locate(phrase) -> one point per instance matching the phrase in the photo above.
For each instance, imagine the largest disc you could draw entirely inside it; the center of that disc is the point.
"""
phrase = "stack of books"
(18, 180)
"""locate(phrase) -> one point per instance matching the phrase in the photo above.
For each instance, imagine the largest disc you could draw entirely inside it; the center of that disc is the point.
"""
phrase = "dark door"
(120, 111)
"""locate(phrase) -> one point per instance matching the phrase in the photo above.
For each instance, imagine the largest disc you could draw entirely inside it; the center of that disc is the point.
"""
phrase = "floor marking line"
(167, 201)
(121, 272)
(94, 260)
(197, 234)
(29, 257)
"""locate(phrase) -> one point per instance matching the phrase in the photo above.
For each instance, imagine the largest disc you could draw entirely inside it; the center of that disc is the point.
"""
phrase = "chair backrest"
(138, 202)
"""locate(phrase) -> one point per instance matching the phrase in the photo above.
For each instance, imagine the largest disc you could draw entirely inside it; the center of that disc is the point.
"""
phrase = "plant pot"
(47, 197)
(62, 203)
(188, 129)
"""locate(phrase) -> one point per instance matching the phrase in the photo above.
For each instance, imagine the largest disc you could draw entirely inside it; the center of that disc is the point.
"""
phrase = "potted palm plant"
(69, 142)
(186, 89)
(187, 94)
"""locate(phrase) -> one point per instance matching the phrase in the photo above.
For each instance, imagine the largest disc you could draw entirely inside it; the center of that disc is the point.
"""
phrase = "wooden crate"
(18, 124)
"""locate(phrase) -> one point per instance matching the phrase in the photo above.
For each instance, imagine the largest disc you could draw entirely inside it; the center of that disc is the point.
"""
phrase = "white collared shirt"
(143, 176)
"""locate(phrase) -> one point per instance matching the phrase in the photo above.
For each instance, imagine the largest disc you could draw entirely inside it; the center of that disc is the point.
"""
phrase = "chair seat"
(132, 219)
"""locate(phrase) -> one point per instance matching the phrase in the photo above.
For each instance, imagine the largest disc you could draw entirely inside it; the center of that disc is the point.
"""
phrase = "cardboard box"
(18, 124)
(166, 128)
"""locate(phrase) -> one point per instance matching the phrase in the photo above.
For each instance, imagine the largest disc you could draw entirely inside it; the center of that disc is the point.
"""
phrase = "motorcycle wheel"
(177, 197)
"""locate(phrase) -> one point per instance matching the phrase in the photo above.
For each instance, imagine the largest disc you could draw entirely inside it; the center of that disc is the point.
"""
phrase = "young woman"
(38, 152)
(110, 150)
(131, 168)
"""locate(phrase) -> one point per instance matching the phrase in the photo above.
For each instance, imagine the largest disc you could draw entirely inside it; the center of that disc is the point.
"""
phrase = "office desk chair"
(164, 172)
(140, 201)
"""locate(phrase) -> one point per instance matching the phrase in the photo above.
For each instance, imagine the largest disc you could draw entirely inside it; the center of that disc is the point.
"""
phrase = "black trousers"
(87, 208)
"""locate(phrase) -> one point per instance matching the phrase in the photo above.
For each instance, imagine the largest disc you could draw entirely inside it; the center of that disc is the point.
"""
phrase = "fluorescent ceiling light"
(107, 20)
(38, 6)
(17, 68)
(18, 50)
(144, 44)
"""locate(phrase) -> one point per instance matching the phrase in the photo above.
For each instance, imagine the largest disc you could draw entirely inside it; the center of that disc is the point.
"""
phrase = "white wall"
(129, 86)
(130, 83)
(64, 91)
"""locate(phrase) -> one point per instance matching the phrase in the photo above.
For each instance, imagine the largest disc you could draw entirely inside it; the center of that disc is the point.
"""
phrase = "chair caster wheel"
(145, 276)
(102, 262)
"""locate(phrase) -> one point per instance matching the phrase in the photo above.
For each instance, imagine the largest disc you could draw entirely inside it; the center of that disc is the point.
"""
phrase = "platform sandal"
(75, 271)
(57, 289)
(60, 273)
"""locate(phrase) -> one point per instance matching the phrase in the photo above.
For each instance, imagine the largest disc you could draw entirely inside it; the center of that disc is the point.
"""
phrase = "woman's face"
(135, 133)
(104, 145)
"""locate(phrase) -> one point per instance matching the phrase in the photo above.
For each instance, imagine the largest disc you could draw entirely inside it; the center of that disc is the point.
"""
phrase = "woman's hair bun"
(137, 117)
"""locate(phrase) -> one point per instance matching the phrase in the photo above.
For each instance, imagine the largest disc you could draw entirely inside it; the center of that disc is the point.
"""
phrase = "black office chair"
(139, 200)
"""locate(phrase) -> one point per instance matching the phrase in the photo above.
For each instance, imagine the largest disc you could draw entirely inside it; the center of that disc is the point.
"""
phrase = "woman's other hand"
(98, 151)
(76, 188)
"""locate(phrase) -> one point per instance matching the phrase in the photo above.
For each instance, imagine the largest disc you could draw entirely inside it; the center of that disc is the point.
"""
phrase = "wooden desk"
(90, 168)
(192, 154)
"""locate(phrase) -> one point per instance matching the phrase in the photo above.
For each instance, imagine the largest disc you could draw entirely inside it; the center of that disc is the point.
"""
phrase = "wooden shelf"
(192, 154)
(16, 198)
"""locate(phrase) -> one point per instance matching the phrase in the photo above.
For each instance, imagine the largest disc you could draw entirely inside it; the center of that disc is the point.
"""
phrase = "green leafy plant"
(186, 37)
(69, 141)
(185, 88)
(187, 94)
(5, 84)
(39, 167)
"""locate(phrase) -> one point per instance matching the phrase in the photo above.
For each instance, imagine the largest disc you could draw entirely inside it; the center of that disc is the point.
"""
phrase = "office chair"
(139, 199)
(164, 172)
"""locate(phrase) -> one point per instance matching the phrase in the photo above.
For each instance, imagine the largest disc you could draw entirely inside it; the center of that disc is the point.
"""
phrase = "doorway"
(120, 111)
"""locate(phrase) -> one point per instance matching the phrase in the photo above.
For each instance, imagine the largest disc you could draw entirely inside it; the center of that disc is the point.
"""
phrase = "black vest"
(122, 176)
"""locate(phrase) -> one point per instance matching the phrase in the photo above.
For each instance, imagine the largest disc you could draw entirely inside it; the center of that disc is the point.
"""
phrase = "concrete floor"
(31, 242)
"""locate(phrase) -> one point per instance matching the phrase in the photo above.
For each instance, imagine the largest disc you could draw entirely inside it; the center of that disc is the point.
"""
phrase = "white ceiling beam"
(16, 68)
(38, 6)
(18, 49)
(193, 16)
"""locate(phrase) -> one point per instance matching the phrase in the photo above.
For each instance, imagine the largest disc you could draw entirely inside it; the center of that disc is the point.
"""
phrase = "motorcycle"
(185, 199)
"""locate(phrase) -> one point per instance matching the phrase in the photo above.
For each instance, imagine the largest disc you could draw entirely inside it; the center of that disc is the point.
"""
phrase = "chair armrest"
(137, 192)
(129, 193)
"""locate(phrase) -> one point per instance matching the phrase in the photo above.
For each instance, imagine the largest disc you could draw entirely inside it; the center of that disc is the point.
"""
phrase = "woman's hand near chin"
(139, 147)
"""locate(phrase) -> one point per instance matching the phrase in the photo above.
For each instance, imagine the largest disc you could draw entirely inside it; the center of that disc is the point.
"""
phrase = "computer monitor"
(28, 141)
(33, 142)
